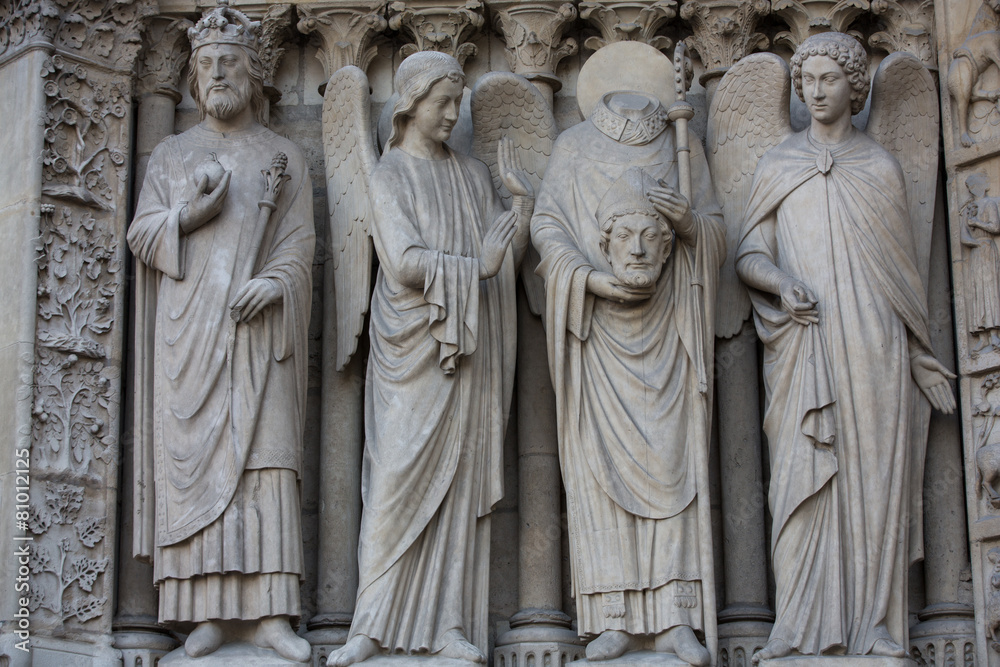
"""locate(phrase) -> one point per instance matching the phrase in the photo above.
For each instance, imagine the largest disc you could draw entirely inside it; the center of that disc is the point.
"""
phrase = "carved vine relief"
(65, 568)
(107, 30)
(77, 383)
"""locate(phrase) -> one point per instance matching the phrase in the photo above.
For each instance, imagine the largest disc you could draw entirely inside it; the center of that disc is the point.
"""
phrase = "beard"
(638, 277)
(226, 103)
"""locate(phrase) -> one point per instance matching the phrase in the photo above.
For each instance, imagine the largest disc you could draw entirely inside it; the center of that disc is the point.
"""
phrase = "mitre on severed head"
(225, 25)
(628, 196)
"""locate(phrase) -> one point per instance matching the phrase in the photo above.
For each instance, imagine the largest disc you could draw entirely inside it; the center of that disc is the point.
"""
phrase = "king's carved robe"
(845, 422)
(440, 377)
(633, 388)
(220, 406)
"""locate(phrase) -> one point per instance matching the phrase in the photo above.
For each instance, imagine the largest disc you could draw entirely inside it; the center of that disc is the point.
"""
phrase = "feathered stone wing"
(351, 157)
(749, 114)
(904, 119)
(506, 104)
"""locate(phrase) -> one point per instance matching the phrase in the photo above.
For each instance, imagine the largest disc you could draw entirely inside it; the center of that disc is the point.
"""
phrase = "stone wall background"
(44, 42)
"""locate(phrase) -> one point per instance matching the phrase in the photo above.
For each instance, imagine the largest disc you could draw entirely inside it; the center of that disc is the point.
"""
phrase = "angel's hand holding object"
(799, 301)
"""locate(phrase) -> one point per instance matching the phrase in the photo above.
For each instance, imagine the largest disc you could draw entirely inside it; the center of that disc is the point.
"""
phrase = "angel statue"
(630, 244)
(443, 326)
(827, 249)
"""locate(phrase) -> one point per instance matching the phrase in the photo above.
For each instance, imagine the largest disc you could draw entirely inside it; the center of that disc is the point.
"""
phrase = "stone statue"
(980, 227)
(224, 262)
(827, 250)
(630, 353)
(979, 51)
(441, 366)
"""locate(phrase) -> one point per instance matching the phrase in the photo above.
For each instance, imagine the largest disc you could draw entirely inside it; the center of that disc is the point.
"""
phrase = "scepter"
(274, 180)
(679, 113)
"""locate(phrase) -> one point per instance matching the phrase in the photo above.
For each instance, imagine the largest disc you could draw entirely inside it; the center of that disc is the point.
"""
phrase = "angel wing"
(749, 114)
(904, 120)
(351, 157)
(506, 104)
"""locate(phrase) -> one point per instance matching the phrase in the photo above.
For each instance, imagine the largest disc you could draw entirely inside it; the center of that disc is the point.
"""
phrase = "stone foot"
(205, 639)
(276, 632)
(610, 645)
(680, 641)
(888, 649)
(461, 649)
(357, 649)
(776, 648)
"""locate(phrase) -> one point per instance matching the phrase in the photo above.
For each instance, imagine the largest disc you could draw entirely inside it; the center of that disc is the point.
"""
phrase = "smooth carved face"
(826, 89)
(223, 80)
(637, 247)
(435, 116)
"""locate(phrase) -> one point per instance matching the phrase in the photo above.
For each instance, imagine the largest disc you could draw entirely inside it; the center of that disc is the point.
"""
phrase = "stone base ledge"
(241, 654)
(636, 659)
(838, 661)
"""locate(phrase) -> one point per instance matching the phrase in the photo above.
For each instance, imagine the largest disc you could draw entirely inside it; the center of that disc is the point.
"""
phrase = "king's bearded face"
(637, 246)
(223, 80)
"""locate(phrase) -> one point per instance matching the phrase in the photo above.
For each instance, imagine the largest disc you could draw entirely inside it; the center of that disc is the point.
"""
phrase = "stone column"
(74, 71)
(946, 633)
(136, 632)
(20, 209)
(347, 34)
(540, 630)
(724, 32)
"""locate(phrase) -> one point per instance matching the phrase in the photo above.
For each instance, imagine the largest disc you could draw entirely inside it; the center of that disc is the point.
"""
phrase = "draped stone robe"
(440, 377)
(220, 406)
(633, 391)
(983, 270)
(846, 424)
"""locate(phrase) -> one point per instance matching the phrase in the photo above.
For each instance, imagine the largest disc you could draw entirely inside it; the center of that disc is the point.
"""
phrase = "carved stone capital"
(275, 31)
(724, 31)
(106, 33)
(348, 34)
(533, 33)
(907, 25)
(161, 63)
(628, 21)
(810, 17)
(435, 27)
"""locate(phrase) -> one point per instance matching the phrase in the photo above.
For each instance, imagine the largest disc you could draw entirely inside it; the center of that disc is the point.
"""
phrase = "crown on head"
(224, 25)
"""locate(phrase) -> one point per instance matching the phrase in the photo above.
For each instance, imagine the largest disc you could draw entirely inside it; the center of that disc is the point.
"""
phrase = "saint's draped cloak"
(440, 377)
(633, 393)
(845, 422)
(216, 400)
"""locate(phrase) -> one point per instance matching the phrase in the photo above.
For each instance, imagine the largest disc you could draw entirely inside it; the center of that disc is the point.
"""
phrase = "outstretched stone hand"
(932, 378)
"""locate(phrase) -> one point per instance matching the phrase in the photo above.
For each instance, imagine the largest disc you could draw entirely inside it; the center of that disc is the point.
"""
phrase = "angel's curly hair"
(847, 52)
